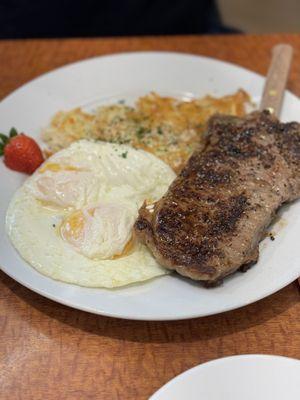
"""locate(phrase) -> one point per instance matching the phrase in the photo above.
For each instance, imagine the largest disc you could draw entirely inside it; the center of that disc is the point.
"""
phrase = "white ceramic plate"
(246, 377)
(127, 76)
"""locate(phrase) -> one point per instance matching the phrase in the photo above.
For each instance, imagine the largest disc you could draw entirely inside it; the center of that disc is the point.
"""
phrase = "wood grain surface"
(49, 351)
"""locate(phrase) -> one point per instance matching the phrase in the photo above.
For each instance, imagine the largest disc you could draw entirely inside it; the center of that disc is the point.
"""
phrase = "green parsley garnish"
(140, 132)
(124, 155)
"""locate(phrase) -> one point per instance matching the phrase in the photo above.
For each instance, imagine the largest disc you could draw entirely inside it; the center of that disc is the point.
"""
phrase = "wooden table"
(49, 351)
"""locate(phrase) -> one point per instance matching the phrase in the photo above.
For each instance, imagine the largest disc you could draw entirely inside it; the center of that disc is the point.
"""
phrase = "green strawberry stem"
(13, 132)
(4, 139)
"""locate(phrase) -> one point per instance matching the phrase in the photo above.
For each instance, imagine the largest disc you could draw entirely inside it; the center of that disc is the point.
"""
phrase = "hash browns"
(165, 126)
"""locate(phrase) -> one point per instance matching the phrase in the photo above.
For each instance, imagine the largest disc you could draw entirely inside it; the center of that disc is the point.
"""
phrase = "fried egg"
(72, 220)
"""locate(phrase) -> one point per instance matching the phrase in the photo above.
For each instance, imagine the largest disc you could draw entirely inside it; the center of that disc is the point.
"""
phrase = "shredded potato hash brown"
(167, 127)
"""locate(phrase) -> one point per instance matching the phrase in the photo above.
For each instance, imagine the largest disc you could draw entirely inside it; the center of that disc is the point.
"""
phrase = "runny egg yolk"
(53, 167)
(128, 249)
(72, 228)
(103, 232)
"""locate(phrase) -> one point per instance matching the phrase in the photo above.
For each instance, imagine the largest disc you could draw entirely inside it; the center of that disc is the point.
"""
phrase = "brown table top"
(49, 351)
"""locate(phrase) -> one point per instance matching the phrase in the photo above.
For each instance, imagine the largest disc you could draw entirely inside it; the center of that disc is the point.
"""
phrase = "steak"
(213, 216)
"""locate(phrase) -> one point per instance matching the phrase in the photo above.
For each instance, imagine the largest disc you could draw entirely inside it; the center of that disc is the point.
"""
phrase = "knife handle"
(276, 80)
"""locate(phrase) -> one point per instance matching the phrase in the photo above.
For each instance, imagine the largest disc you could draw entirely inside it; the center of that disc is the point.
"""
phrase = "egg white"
(112, 174)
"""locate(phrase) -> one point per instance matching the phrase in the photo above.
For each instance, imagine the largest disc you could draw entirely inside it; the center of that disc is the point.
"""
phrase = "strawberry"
(21, 152)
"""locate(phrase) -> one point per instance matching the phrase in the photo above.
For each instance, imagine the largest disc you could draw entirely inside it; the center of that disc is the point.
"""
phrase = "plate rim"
(133, 53)
(222, 360)
(128, 316)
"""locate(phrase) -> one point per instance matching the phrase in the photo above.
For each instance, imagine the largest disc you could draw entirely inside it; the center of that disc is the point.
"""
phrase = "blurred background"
(261, 16)
(71, 18)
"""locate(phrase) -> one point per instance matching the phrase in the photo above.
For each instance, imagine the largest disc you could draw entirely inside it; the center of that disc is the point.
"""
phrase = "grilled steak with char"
(212, 218)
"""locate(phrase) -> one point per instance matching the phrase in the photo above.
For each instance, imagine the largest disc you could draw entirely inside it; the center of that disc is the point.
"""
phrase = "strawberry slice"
(21, 152)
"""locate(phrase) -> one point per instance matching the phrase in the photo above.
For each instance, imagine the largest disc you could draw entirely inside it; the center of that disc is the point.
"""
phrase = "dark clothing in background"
(71, 18)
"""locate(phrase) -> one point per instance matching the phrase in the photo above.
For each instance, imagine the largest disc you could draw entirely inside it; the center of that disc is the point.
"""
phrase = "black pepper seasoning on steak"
(215, 213)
